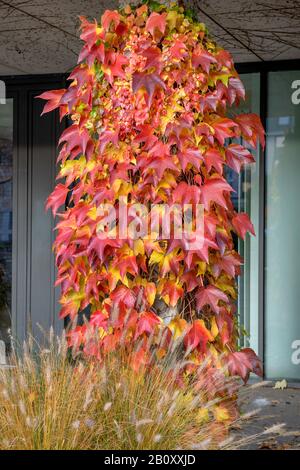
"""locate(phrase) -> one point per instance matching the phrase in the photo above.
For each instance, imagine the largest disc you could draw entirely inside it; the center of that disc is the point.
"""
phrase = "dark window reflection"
(6, 161)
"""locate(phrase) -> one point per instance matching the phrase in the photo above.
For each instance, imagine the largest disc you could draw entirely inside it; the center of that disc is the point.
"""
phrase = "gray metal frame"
(33, 264)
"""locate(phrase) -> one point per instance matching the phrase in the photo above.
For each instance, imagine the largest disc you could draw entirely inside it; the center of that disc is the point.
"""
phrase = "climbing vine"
(149, 105)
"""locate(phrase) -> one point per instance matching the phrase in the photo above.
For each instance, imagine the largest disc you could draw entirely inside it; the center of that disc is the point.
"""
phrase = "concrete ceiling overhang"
(42, 36)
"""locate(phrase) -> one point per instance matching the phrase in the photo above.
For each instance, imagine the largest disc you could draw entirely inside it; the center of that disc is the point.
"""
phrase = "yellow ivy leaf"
(163, 260)
(138, 247)
(156, 258)
(76, 296)
(201, 268)
(92, 213)
(91, 165)
(84, 231)
(167, 182)
(116, 277)
(139, 281)
(223, 77)
(221, 413)
(202, 416)
(215, 354)
(177, 326)
(101, 332)
(73, 165)
(226, 287)
(214, 328)
(172, 109)
(174, 19)
(121, 187)
(150, 290)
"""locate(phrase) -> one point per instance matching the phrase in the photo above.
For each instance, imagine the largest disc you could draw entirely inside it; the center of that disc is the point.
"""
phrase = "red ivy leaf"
(146, 323)
(185, 193)
(57, 198)
(99, 244)
(225, 326)
(238, 364)
(242, 224)
(149, 81)
(203, 58)
(255, 361)
(212, 191)
(173, 291)
(54, 98)
(243, 362)
(213, 158)
(114, 64)
(178, 50)
(124, 295)
(99, 319)
(189, 278)
(211, 296)
(223, 129)
(237, 155)
(225, 58)
(227, 263)
(190, 155)
(160, 165)
(89, 32)
(251, 128)
(110, 17)
(153, 58)
(158, 21)
(74, 137)
(127, 265)
(236, 90)
(109, 136)
(146, 136)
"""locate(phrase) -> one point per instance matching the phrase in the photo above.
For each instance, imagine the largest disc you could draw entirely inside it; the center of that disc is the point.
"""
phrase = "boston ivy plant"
(148, 103)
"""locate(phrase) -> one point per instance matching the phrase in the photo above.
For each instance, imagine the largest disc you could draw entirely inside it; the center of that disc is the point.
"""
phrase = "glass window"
(6, 164)
(282, 295)
(246, 199)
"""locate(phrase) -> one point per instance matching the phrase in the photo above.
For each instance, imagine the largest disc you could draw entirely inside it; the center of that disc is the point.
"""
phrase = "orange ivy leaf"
(197, 336)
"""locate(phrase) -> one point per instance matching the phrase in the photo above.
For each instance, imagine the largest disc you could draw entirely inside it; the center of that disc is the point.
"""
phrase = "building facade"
(269, 190)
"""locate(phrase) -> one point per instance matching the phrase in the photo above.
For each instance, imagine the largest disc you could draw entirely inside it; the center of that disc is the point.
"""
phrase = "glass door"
(282, 234)
(6, 186)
